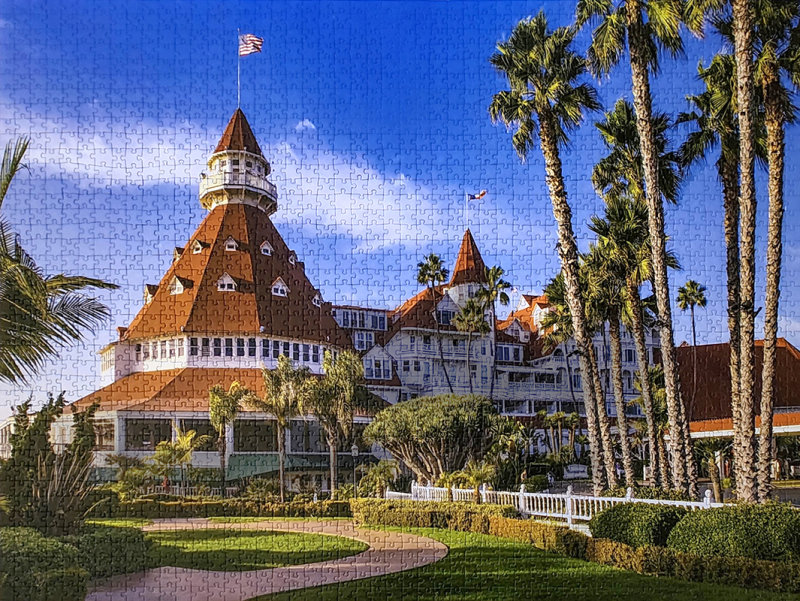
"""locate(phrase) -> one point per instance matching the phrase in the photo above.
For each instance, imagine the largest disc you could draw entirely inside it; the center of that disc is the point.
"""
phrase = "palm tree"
(476, 475)
(185, 444)
(715, 124)
(39, 314)
(607, 279)
(471, 319)
(646, 27)
(691, 295)
(286, 389)
(655, 379)
(547, 99)
(380, 476)
(708, 448)
(432, 273)
(332, 401)
(223, 406)
(493, 291)
(557, 323)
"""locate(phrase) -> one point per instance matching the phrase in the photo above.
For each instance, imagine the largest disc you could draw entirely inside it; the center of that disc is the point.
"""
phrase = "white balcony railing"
(253, 181)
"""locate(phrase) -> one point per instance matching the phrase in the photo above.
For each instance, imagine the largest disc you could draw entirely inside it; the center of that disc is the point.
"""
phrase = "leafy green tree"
(39, 314)
(645, 28)
(432, 273)
(437, 434)
(286, 392)
(490, 294)
(223, 406)
(332, 400)
(547, 100)
(470, 319)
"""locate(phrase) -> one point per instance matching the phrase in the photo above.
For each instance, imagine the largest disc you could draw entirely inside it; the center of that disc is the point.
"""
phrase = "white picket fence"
(568, 506)
(189, 491)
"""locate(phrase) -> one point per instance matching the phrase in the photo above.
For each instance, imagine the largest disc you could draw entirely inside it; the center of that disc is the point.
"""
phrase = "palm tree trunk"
(729, 176)
(333, 445)
(282, 462)
(602, 421)
(642, 102)
(662, 459)
(690, 410)
(775, 150)
(223, 451)
(619, 397)
(713, 473)
(492, 349)
(469, 374)
(647, 394)
(439, 340)
(568, 253)
(746, 481)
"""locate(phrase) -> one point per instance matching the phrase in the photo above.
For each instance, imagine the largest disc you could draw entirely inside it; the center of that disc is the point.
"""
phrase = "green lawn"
(121, 522)
(236, 550)
(483, 568)
(246, 520)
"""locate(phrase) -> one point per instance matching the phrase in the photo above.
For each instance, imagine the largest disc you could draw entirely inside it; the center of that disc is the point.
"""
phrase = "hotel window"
(193, 347)
(235, 162)
(576, 381)
(361, 320)
(382, 322)
(138, 352)
(218, 347)
(265, 348)
(171, 344)
(483, 348)
(248, 164)
(306, 353)
(292, 258)
(426, 341)
(406, 365)
(276, 349)
(346, 319)
(205, 349)
(516, 353)
(630, 355)
(374, 322)
(315, 354)
(231, 245)
(240, 347)
(285, 349)
(416, 366)
(412, 340)
(360, 342)
(279, 289)
(266, 249)
(484, 374)
(455, 343)
(368, 368)
(229, 347)
(163, 349)
(295, 351)
(146, 351)
(180, 343)
(154, 348)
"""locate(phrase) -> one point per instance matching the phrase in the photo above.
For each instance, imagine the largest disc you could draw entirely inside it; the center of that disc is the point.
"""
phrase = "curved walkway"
(388, 552)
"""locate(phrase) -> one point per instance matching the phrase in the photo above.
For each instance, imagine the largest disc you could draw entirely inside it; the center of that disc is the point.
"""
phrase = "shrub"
(145, 508)
(266, 489)
(636, 524)
(108, 550)
(647, 492)
(38, 568)
(770, 532)
(427, 514)
(537, 483)
(549, 537)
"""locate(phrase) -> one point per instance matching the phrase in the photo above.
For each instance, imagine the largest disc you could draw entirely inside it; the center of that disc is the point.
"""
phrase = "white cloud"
(305, 124)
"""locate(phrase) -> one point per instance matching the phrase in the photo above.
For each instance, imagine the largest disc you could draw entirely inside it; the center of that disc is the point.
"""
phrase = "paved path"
(388, 552)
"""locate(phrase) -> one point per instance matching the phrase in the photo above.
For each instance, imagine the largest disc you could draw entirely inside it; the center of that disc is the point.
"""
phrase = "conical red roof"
(470, 268)
(238, 136)
(204, 309)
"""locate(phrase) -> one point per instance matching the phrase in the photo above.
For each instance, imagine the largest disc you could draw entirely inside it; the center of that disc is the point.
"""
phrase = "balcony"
(228, 179)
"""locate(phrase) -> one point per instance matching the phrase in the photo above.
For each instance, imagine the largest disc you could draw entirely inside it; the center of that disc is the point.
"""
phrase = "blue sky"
(374, 116)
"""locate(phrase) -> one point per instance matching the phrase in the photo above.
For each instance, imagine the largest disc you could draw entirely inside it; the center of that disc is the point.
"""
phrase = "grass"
(237, 550)
(121, 522)
(248, 520)
(484, 568)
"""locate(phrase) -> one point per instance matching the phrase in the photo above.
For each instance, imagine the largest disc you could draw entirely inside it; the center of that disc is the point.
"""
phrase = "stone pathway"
(388, 552)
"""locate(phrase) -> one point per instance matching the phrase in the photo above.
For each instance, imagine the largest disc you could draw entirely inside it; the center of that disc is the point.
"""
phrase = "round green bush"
(636, 524)
(108, 550)
(769, 532)
(648, 492)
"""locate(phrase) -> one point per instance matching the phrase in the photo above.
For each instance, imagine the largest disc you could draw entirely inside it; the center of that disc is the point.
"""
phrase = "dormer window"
(197, 247)
(317, 300)
(178, 285)
(248, 164)
(176, 254)
(292, 258)
(231, 244)
(266, 248)
(149, 292)
(226, 283)
(279, 288)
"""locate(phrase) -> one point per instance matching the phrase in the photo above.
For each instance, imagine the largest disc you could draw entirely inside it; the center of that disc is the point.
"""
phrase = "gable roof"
(204, 309)
(238, 136)
(469, 268)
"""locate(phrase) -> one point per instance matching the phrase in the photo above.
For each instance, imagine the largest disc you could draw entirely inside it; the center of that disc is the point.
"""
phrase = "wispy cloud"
(305, 124)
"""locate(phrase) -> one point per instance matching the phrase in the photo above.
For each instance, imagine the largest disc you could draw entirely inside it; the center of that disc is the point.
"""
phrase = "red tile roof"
(779, 420)
(184, 389)
(202, 308)
(238, 136)
(712, 399)
(469, 268)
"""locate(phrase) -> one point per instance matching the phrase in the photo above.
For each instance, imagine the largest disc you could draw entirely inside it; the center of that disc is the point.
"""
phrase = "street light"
(354, 453)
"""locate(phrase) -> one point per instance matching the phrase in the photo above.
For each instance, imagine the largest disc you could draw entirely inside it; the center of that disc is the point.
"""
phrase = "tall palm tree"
(490, 293)
(284, 399)
(647, 27)
(332, 400)
(39, 314)
(432, 273)
(607, 279)
(223, 406)
(185, 444)
(547, 99)
(471, 319)
(691, 295)
(655, 379)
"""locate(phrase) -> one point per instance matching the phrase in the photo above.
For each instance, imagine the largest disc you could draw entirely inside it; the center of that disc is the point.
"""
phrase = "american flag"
(477, 196)
(249, 44)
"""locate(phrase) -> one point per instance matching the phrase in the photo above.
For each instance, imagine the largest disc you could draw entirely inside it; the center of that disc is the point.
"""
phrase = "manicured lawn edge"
(647, 560)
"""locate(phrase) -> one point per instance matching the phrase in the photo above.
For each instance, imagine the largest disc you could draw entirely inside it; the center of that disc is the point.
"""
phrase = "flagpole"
(238, 72)
(466, 211)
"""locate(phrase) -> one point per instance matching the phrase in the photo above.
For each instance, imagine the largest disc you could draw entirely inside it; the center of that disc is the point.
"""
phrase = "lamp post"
(354, 453)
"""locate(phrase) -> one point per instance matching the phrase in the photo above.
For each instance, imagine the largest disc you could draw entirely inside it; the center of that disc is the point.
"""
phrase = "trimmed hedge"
(637, 524)
(648, 492)
(152, 509)
(38, 568)
(767, 532)
(108, 550)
